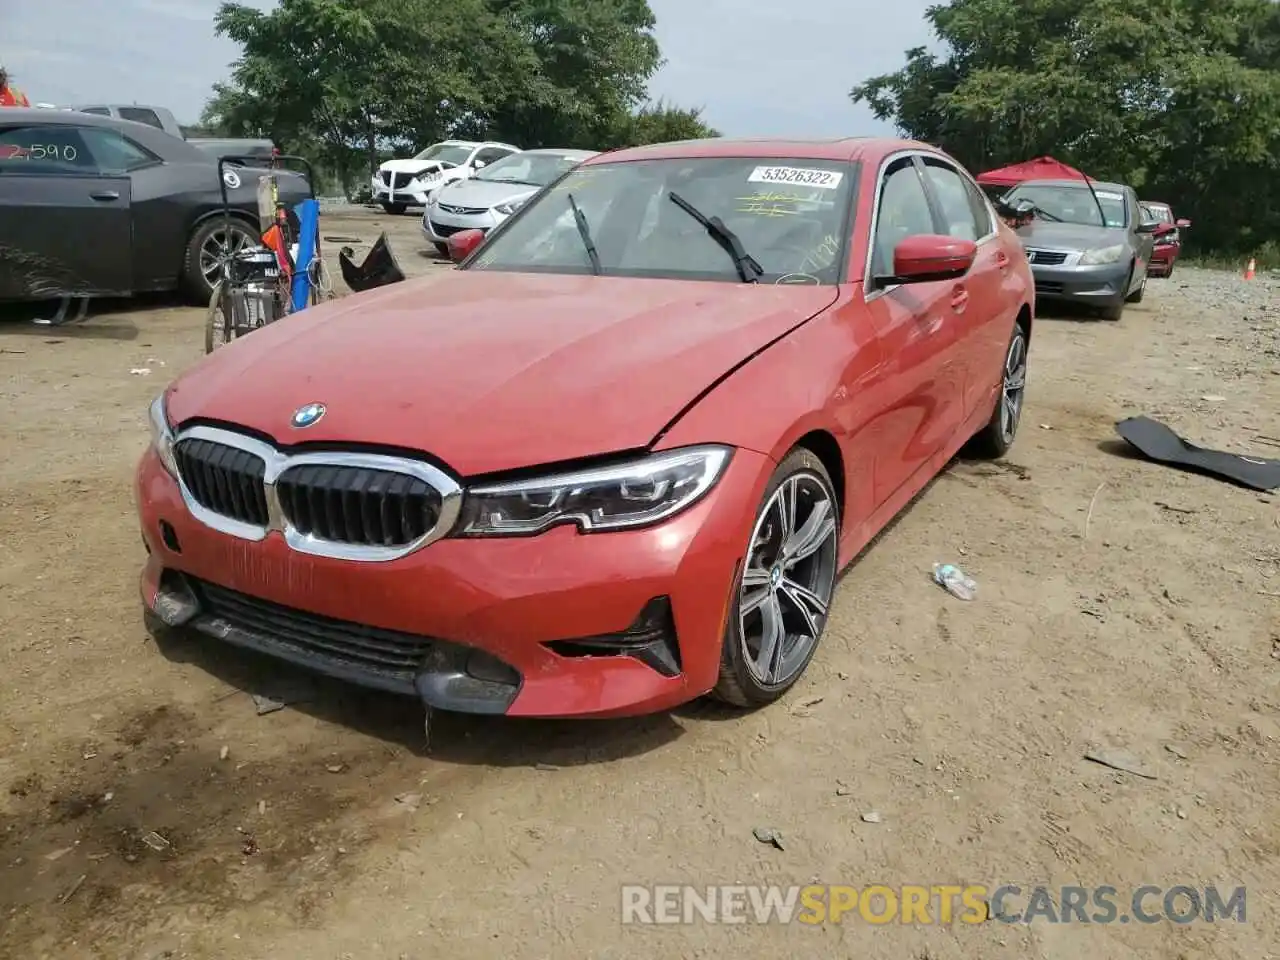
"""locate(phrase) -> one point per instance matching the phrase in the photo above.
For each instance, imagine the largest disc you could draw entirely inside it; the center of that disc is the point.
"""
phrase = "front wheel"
(395, 209)
(995, 439)
(783, 594)
(443, 250)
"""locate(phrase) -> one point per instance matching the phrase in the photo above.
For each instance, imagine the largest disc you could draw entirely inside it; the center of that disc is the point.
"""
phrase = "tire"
(395, 209)
(1169, 272)
(792, 596)
(1112, 311)
(443, 250)
(1137, 295)
(995, 439)
(202, 246)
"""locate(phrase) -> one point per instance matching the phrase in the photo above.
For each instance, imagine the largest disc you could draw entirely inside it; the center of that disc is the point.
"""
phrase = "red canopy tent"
(1041, 168)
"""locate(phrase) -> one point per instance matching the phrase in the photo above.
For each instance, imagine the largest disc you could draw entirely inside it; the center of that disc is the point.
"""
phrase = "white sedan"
(483, 201)
(410, 182)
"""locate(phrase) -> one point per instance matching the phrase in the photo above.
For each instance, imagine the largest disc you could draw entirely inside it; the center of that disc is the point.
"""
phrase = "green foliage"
(1180, 98)
(345, 81)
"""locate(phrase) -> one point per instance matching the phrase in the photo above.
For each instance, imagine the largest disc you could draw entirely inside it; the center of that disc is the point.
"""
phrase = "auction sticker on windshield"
(823, 179)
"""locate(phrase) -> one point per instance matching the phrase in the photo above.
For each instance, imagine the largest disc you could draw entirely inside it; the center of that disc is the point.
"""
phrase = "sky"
(756, 67)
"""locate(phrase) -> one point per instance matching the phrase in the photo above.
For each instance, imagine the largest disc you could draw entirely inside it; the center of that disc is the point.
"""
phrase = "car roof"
(869, 149)
(157, 141)
(1097, 184)
(473, 143)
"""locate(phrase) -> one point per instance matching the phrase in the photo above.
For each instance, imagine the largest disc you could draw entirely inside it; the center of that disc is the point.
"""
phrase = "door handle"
(959, 299)
(105, 195)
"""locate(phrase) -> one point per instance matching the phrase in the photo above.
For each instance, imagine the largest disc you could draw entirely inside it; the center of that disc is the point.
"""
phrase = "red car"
(614, 461)
(1168, 238)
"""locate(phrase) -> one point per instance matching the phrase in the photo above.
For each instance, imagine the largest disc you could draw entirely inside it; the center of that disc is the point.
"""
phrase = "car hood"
(485, 193)
(491, 371)
(1069, 236)
(409, 165)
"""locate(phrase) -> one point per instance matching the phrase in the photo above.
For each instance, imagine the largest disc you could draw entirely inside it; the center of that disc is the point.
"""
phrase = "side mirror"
(463, 243)
(1183, 224)
(1148, 226)
(479, 165)
(926, 257)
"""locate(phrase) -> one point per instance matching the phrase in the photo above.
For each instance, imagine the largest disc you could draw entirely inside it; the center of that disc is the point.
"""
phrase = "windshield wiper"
(748, 267)
(584, 231)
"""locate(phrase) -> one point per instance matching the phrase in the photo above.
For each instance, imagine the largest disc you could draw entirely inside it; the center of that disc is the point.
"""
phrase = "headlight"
(507, 209)
(162, 436)
(619, 497)
(1093, 258)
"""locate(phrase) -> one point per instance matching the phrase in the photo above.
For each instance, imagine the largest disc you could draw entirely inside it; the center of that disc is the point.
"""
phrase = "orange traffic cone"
(1248, 271)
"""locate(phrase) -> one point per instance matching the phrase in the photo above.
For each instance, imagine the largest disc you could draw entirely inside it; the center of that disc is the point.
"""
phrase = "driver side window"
(904, 212)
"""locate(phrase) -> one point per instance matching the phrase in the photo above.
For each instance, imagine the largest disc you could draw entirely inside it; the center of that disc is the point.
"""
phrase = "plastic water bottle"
(953, 580)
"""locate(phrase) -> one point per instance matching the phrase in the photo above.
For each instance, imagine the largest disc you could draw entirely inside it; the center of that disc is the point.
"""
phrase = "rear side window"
(96, 111)
(113, 153)
(141, 115)
(45, 150)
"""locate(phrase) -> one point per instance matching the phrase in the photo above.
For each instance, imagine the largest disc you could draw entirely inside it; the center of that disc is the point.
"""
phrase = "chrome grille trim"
(277, 462)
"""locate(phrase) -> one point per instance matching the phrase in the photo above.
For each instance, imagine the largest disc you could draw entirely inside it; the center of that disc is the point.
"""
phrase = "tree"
(356, 77)
(1182, 101)
(660, 123)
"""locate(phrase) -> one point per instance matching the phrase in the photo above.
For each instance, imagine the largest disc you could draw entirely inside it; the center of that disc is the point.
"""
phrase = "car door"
(920, 403)
(982, 312)
(64, 224)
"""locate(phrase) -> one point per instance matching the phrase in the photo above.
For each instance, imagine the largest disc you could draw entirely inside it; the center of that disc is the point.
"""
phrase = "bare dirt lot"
(147, 810)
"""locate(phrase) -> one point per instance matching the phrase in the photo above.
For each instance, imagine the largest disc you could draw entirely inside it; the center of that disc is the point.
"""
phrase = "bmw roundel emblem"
(307, 415)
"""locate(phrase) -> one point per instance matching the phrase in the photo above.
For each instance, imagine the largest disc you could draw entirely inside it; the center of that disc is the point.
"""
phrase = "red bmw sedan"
(617, 458)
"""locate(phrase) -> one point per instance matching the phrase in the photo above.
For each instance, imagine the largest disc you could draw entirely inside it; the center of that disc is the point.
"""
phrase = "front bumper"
(1162, 258)
(438, 226)
(1099, 285)
(415, 194)
(558, 625)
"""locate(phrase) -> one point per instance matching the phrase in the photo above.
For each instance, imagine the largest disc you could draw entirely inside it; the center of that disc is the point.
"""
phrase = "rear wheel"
(995, 439)
(784, 591)
(211, 243)
(395, 209)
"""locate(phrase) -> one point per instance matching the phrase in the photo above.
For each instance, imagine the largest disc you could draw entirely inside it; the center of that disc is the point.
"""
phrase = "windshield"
(536, 169)
(789, 215)
(1158, 213)
(1072, 204)
(450, 153)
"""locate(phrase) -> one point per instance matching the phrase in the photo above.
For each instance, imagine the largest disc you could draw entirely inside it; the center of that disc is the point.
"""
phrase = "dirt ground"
(1120, 603)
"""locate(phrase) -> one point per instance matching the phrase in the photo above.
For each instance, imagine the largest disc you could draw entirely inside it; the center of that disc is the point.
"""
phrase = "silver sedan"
(495, 193)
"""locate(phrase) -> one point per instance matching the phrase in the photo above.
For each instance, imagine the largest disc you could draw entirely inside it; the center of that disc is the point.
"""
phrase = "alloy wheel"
(789, 578)
(1014, 386)
(221, 244)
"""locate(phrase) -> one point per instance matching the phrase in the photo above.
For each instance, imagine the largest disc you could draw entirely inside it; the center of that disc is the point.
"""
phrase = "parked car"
(615, 460)
(1085, 245)
(163, 119)
(94, 206)
(400, 184)
(1168, 237)
(495, 193)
